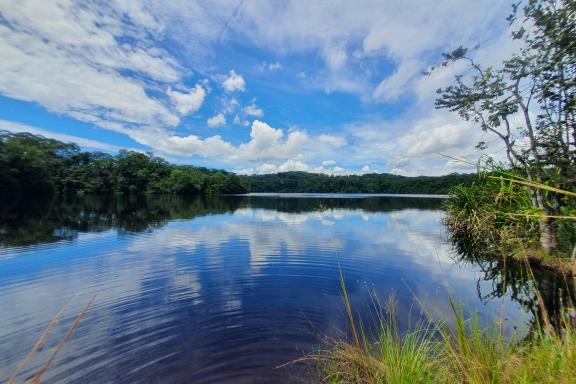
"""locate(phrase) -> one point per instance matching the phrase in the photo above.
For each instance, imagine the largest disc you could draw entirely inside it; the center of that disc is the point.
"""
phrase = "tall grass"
(465, 353)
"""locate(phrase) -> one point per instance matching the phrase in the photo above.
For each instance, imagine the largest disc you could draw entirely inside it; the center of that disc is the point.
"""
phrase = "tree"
(538, 84)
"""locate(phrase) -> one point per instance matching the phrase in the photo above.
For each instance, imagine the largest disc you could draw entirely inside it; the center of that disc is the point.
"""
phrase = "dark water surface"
(220, 290)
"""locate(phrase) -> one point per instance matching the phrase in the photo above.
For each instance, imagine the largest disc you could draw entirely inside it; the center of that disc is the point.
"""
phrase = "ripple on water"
(221, 297)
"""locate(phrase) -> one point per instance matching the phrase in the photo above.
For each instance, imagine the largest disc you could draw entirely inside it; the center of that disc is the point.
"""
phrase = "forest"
(31, 164)
(34, 165)
(370, 183)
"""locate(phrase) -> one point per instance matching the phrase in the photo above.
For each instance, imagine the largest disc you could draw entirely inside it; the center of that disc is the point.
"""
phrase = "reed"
(40, 342)
(435, 353)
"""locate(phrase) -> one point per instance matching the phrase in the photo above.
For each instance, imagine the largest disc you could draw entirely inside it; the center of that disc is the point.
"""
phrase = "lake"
(225, 289)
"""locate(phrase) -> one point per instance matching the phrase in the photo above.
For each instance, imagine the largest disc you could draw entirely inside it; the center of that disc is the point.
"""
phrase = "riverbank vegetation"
(434, 353)
(529, 105)
(495, 215)
(460, 348)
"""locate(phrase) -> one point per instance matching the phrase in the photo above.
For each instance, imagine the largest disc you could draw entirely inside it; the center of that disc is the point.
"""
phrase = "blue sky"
(249, 86)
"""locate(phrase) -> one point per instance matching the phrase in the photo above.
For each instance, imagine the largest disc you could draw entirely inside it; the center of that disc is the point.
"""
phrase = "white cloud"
(234, 82)
(397, 84)
(343, 33)
(335, 58)
(332, 141)
(253, 110)
(68, 58)
(328, 162)
(216, 121)
(292, 165)
(366, 169)
(266, 144)
(191, 101)
(436, 135)
(416, 146)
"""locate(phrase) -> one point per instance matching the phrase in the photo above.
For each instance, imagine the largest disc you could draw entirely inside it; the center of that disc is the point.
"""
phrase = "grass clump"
(464, 353)
(394, 358)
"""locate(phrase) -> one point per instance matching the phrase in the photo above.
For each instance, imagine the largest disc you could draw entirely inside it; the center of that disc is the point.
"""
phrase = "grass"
(40, 373)
(434, 353)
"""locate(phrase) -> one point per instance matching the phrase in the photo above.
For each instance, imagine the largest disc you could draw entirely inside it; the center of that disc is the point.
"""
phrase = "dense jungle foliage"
(370, 183)
(32, 164)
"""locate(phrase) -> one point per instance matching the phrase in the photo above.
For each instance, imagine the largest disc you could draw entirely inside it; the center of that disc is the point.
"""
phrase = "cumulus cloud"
(187, 102)
(234, 82)
(366, 169)
(416, 146)
(265, 144)
(216, 121)
(253, 110)
(292, 165)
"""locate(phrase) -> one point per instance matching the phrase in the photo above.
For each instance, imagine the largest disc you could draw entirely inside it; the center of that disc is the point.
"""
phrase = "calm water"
(223, 289)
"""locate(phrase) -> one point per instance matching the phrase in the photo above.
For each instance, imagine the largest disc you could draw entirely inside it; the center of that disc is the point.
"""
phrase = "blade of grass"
(40, 342)
(534, 185)
(38, 376)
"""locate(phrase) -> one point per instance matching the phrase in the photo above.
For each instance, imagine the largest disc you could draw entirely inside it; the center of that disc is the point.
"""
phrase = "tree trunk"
(548, 235)
(547, 226)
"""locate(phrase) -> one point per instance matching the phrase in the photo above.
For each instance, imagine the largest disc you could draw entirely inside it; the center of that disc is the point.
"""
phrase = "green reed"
(431, 352)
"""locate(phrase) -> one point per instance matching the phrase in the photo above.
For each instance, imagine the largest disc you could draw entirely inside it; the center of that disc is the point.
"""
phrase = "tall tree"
(536, 84)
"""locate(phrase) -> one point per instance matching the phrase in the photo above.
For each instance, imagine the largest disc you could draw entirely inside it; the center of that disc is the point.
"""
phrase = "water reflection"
(218, 289)
(522, 283)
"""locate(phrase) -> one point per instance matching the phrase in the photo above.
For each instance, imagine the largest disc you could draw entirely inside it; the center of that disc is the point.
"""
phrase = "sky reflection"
(228, 293)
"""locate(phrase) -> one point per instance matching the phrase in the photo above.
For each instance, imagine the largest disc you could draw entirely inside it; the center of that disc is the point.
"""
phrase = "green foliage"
(303, 182)
(436, 354)
(495, 215)
(32, 164)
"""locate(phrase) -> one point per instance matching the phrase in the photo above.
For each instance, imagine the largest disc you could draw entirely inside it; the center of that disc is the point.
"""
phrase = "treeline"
(31, 164)
(303, 182)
